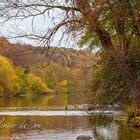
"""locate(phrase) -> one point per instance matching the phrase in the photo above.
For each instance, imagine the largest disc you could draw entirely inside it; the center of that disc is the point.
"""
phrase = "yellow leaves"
(16, 87)
(62, 87)
(16, 81)
(31, 83)
(37, 85)
(8, 78)
(64, 83)
(10, 83)
(1, 91)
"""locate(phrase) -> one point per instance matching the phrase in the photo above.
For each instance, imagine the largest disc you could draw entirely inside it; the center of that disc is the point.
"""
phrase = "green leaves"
(90, 40)
(37, 85)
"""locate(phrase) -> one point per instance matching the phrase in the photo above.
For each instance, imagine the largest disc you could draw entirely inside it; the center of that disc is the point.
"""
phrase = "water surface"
(56, 124)
(66, 128)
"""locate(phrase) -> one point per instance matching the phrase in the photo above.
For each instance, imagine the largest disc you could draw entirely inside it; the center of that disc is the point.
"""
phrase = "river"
(41, 118)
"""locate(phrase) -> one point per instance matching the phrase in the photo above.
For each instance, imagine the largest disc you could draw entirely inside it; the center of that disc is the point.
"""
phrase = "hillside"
(27, 55)
(67, 71)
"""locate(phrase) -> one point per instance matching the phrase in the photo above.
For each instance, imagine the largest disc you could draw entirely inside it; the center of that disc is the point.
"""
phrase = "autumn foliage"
(22, 72)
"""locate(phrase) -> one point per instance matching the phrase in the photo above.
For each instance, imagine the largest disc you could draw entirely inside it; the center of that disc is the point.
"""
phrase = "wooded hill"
(24, 55)
(67, 70)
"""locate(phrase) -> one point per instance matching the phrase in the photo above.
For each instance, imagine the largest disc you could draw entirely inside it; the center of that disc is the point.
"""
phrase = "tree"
(108, 85)
(9, 84)
(62, 87)
(112, 25)
(37, 85)
(23, 81)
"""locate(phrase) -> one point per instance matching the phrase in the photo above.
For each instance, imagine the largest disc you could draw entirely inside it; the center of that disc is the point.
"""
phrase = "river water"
(21, 119)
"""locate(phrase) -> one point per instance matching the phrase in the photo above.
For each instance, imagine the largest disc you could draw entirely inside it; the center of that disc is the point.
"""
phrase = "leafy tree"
(31, 83)
(26, 70)
(108, 85)
(1, 91)
(9, 84)
(50, 80)
(55, 74)
(37, 85)
(63, 87)
(23, 81)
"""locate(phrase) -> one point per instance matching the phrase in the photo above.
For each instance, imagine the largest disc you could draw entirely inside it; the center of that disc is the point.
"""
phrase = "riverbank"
(133, 122)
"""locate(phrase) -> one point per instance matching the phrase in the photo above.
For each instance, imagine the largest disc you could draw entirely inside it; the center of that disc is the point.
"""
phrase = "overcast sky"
(9, 29)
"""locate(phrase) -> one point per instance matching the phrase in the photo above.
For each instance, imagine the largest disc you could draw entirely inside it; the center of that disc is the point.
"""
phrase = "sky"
(41, 24)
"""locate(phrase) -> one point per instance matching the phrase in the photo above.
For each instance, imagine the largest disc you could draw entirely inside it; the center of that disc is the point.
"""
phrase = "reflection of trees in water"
(101, 120)
(43, 100)
(59, 124)
(104, 127)
(97, 136)
(126, 133)
(6, 132)
(50, 99)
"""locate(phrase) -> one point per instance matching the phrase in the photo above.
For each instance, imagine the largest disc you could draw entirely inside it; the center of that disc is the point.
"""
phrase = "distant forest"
(24, 70)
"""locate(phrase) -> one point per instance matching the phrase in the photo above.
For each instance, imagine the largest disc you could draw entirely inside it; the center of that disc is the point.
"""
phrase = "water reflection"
(68, 128)
(57, 126)
(105, 128)
(51, 100)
